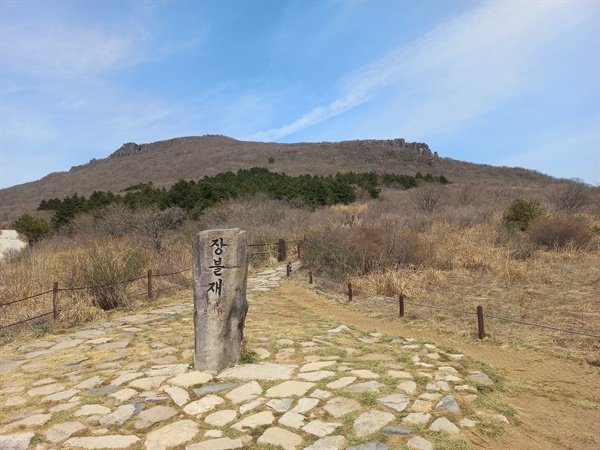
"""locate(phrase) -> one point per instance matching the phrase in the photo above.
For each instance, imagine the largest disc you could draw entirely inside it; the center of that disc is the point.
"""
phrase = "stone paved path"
(127, 383)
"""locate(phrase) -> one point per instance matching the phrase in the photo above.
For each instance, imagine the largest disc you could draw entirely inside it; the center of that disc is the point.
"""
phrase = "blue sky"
(509, 83)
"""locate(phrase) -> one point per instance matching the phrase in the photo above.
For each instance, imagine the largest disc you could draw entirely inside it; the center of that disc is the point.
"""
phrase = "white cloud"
(454, 73)
(66, 51)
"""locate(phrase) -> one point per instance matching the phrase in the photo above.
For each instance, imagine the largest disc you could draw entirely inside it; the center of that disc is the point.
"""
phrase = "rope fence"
(278, 249)
(479, 312)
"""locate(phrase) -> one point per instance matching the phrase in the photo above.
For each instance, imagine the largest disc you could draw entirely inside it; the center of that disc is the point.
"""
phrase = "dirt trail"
(558, 400)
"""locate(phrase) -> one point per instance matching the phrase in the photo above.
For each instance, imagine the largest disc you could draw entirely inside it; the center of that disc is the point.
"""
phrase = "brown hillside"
(165, 162)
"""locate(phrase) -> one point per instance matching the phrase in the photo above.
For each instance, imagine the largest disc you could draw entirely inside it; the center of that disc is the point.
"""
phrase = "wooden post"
(289, 269)
(55, 300)
(149, 284)
(401, 305)
(281, 251)
(298, 248)
(480, 322)
(349, 292)
(310, 278)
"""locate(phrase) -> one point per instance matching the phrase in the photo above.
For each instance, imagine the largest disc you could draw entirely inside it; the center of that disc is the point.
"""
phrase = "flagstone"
(148, 383)
(63, 395)
(443, 424)
(316, 376)
(329, 443)
(149, 417)
(255, 420)
(395, 402)
(44, 381)
(221, 418)
(31, 421)
(126, 378)
(368, 386)
(46, 389)
(419, 443)
(314, 366)
(364, 374)
(245, 392)
(167, 370)
(320, 394)
(186, 380)
(123, 395)
(172, 435)
(259, 372)
(421, 406)
(280, 405)
(90, 383)
(407, 386)
(304, 405)
(215, 387)
(247, 407)
(341, 382)
(371, 421)
(118, 416)
(340, 406)
(179, 395)
(18, 441)
(290, 388)
(217, 444)
(62, 431)
(15, 401)
(400, 374)
(292, 420)
(101, 442)
(203, 405)
(417, 418)
(280, 438)
(319, 428)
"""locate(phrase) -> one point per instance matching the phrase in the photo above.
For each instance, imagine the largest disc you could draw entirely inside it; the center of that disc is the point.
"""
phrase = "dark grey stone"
(398, 429)
(215, 387)
(448, 403)
(104, 390)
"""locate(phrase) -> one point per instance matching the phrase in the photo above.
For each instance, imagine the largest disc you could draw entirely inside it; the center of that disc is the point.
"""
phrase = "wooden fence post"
(310, 278)
(55, 300)
(401, 305)
(298, 248)
(281, 251)
(150, 293)
(288, 269)
(480, 322)
(349, 292)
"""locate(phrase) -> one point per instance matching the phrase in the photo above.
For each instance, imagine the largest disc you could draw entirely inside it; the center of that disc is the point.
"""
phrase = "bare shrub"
(559, 232)
(571, 196)
(428, 198)
(358, 251)
(105, 266)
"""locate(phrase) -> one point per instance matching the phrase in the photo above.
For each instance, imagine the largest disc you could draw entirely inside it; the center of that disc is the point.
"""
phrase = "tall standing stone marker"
(220, 305)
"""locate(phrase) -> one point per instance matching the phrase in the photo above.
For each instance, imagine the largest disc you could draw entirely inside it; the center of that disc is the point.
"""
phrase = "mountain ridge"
(193, 157)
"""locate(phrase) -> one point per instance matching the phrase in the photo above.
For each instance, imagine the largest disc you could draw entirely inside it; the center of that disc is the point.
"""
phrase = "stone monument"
(220, 274)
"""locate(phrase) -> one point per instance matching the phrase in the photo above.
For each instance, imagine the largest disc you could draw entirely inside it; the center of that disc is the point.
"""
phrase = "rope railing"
(480, 315)
(280, 250)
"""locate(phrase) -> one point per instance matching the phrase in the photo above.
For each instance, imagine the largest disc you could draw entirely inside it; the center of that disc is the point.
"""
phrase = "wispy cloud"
(67, 51)
(456, 72)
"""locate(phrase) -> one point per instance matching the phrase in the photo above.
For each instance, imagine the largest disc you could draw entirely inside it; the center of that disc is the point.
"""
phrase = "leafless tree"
(428, 198)
(154, 225)
(571, 196)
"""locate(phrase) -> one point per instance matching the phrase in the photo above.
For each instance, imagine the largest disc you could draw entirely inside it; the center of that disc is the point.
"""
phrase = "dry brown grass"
(70, 262)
